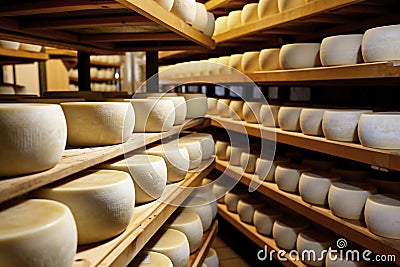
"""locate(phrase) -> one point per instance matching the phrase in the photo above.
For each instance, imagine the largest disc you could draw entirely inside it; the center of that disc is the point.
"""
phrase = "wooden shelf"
(352, 230)
(8, 56)
(95, 63)
(197, 258)
(387, 159)
(250, 231)
(95, 80)
(223, 7)
(147, 219)
(78, 159)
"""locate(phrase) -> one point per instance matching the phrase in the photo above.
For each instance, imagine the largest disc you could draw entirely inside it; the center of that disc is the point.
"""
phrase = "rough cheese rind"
(235, 61)
(250, 62)
(196, 105)
(267, 8)
(220, 149)
(314, 186)
(202, 207)
(234, 19)
(289, 118)
(264, 219)
(265, 168)
(317, 241)
(209, 29)
(249, 13)
(201, 19)
(193, 147)
(248, 162)
(211, 259)
(236, 109)
(232, 198)
(269, 59)
(381, 44)
(180, 108)
(341, 50)
(233, 154)
(246, 208)
(207, 144)
(287, 176)
(269, 115)
(300, 55)
(185, 9)
(212, 106)
(204, 192)
(166, 4)
(223, 107)
(251, 112)
(311, 121)
(285, 231)
(151, 259)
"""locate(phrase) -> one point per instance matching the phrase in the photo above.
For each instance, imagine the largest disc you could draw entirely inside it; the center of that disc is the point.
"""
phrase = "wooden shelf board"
(61, 53)
(388, 159)
(147, 219)
(352, 230)
(95, 63)
(26, 55)
(77, 159)
(250, 231)
(94, 80)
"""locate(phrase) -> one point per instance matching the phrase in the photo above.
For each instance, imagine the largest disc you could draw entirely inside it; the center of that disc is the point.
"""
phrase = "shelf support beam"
(152, 80)
(83, 71)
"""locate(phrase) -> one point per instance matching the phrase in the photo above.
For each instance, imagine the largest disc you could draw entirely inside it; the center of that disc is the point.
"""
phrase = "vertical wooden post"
(152, 81)
(42, 77)
(83, 71)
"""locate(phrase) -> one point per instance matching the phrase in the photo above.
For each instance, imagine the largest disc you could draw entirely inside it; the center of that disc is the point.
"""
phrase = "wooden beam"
(214, 4)
(130, 37)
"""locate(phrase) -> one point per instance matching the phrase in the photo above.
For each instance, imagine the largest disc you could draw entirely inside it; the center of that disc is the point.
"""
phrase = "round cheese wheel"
(250, 61)
(341, 125)
(223, 67)
(196, 105)
(223, 107)
(185, 9)
(206, 142)
(151, 259)
(213, 67)
(189, 223)
(180, 107)
(248, 162)
(220, 149)
(265, 168)
(233, 154)
(37, 232)
(385, 186)
(264, 219)
(285, 231)
(219, 190)
(341, 50)
(221, 25)
(284, 5)
(269, 115)
(232, 198)
(33, 137)
(212, 106)
(287, 176)
(236, 109)
(30, 47)
(246, 208)
(300, 55)
(381, 44)
(382, 215)
(380, 130)
(289, 118)
(314, 186)
(149, 174)
(201, 19)
(249, 13)
(251, 112)
(193, 147)
(166, 4)
(319, 164)
(234, 19)
(101, 201)
(311, 121)
(339, 259)
(269, 58)
(347, 199)
(235, 61)
(267, 8)
(210, 27)
(10, 44)
(202, 207)
(173, 244)
(350, 173)
(212, 259)
(204, 192)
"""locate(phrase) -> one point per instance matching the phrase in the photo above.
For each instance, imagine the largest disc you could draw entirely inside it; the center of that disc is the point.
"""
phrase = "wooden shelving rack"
(9, 57)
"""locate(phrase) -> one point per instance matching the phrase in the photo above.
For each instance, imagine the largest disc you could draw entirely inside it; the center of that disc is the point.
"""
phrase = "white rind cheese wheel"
(285, 231)
(221, 25)
(201, 20)
(250, 61)
(249, 13)
(269, 115)
(341, 50)
(189, 223)
(151, 259)
(380, 130)
(37, 233)
(232, 198)
(101, 201)
(269, 59)
(207, 144)
(236, 109)
(265, 168)
(347, 199)
(251, 112)
(219, 191)
(284, 5)
(246, 208)
(319, 164)
(153, 115)
(166, 4)
(33, 137)
(311, 121)
(248, 162)
(10, 44)
(299, 56)
(381, 44)
(341, 125)
(173, 244)
(289, 118)
(196, 105)
(148, 172)
(267, 8)
(30, 47)
(233, 154)
(212, 259)
(213, 67)
(220, 149)
(234, 19)
(314, 186)
(382, 215)
(235, 61)
(204, 192)
(223, 107)
(202, 207)
(180, 107)
(287, 176)
(185, 9)
(209, 29)
(264, 219)
(193, 147)
(212, 106)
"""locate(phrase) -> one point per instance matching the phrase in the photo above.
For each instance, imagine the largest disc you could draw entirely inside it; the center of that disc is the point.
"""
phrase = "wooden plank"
(214, 4)
(23, 54)
(130, 37)
(261, 240)
(350, 229)
(61, 53)
(197, 258)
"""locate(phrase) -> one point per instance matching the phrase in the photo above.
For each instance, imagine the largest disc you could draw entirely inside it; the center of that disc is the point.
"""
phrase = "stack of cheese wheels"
(249, 13)
(221, 25)
(317, 241)
(287, 176)
(211, 259)
(381, 44)
(267, 8)
(210, 27)
(202, 207)
(311, 121)
(10, 44)
(347, 199)
(189, 223)
(341, 125)
(284, 5)
(269, 115)
(341, 50)
(236, 109)
(150, 259)
(289, 118)
(234, 19)
(220, 149)
(300, 55)
(380, 130)
(33, 137)
(206, 142)
(153, 115)
(247, 206)
(223, 107)
(98, 123)
(285, 231)
(314, 186)
(201, 19)
(251, 112)
(232, 198)
(37, 232)
(248, 162)
(212, 106)
(265, 168)
(180, 107)
(176, 158)
(149, 174)
(264, 219)
(269, 59)
(319, 164)
(101, 201)
(235, 61)
(350, 173)
(250, 61)
(194, 149)
(385, 185)
(382, 215)
(166, 4)
(185, 9)
(206, 193)
(233, 154)
(196, 105)
(173, 244)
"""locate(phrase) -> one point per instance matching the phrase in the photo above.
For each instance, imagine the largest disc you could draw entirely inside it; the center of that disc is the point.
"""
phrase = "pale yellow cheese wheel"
(265, 168)
(219, 190)
(285, 231)
(234, 19)
(211, 259)
(180, 107)
(248, 162)
(300, 55)
(37, 232)
(166, 4)
(233, 154)
(201, 19)
(30, 47)
(150, 259)
(269, 115)
(269, 59)
(232, 198)
(251, 111)
(193, 147)
(264, 219)
(206, 142)
(235, 61)
(236, 109)
(289, 118)
(10, 44)
(210, 27)
(202, 207)
(223, 107)
(317, 241)
(287, 176)
(311, 121)
(212, 106)
(223, 67)
(267, 8)
(249, 13)
(221, 25)
(220, 149)
(196, 105)
(185, 9)
(250, 61)
(314, 186)
(341, 50)
(246, 208)
(284, 5)
(206, 193)
(381, 44)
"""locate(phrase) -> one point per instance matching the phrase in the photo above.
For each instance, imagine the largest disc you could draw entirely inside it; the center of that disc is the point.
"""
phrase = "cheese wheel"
(311, 121)
(300, 55)
(269, 115)
(385, 186)
(234, 19)
(210, 27)
(201, 19)
(319, 164)
(221, 25)
(206, 142)
(380, 130)
(284, 5)
(149, 174)
(381, 44)
(233, 154)
(341, 125)
(219, 190)
(193, 147)
(350, 173)
(213, 66)
(37, 232)
(248, 162)
(223, 107)
(265, 168)
(341, 50)
(185, 9)
(202, 207)
(101, 201)
(316, 241)
(235, 61)
(151, 259)
(196, 105)
(180, 107)
(249, 13)
(204, 192)
(153, 115)
(251, 112)
(250, 61)
(223, 67)
(264, 219)
(382, 215)
(189, 223)
(289, 118)
(287, 176)
(236, 109)
(173, 244)
(285, 231)
(267, 8)
(10, 44)
(220, 149)
(269, 58)
(314, 186)
(212, 259)
(166, 4)
(30, 47)
(232, 198)
(212, 106)
(33, 137)
(347, 199)
(246, 208)
(339, 259)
